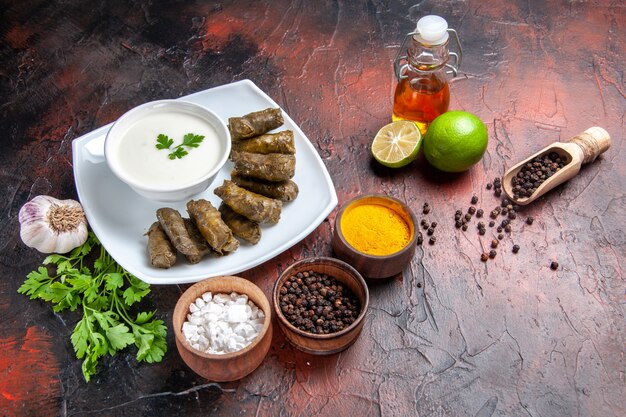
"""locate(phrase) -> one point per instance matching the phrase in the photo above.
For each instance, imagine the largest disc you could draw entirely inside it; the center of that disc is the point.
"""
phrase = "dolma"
(270, 167)
(254, 206)
(241, 226)
(280, 190)
(254, 124)
(197, 240)
(211, 226)
(161, 251)
(174, 226)
(280, 142)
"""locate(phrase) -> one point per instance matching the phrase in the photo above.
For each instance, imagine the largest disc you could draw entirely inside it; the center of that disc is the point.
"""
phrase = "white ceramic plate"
(120, 217)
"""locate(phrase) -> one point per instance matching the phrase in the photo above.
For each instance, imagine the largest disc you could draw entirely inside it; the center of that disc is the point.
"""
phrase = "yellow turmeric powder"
(375, 229)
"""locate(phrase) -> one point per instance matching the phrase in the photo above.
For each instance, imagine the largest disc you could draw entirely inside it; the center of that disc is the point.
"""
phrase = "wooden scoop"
(581, 149)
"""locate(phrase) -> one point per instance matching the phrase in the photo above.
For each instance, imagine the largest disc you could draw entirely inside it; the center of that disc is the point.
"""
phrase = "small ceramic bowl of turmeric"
(376, 234)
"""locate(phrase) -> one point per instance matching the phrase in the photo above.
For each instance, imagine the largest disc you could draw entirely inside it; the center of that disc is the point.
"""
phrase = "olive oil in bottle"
(423, 92)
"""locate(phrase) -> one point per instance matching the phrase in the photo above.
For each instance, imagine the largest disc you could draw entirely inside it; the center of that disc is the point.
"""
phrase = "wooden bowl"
(229, 366)
(373, 266)
(324, 344)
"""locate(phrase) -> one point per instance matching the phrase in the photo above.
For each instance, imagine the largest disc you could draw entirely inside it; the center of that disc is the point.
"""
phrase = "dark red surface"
(508, 337)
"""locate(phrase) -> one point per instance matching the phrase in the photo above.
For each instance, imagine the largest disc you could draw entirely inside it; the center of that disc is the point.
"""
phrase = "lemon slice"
(397, 144)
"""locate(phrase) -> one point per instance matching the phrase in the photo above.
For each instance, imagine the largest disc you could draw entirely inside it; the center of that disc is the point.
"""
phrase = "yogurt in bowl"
(167, 150)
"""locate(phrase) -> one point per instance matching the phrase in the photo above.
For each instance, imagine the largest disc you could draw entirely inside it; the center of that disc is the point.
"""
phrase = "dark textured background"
(505, 338)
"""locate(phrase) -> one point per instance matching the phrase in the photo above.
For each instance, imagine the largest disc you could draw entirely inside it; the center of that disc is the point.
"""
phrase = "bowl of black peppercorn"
(320, 305)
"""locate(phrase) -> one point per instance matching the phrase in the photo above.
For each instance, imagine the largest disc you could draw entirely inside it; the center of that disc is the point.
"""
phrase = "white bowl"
(164, 179)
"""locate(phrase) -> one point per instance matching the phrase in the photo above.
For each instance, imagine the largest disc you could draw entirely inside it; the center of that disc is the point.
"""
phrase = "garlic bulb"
(52, 226)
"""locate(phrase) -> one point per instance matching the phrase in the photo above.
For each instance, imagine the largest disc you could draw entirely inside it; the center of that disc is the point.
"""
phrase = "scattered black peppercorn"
(512, 214)
(530, 220)
(458, 224)
(515, 248)
(494, 243)
(479, 213)
(464, 227)
(554, 265)
(468, 217)
(484, 257)
(482, 232)
(471, 210)
(507, 228)
(430, 231)
(500, 236)
(492, 253)
(489, 185)
(426, 208)
(433, 224)
(420, 238)
(492, 223)
(432, 240)
(474, 199)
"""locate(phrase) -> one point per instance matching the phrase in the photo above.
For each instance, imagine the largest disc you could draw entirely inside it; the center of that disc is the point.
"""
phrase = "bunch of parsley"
(105, 296)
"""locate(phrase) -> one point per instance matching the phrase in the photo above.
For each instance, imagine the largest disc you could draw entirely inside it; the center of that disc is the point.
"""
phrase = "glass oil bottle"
(421, 65)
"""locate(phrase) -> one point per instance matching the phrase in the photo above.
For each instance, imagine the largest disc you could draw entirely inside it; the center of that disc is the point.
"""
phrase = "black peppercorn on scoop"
(553, 165)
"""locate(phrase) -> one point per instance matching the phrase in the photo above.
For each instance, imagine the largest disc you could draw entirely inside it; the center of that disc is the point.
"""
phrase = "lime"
(397, 144)
(455, 141)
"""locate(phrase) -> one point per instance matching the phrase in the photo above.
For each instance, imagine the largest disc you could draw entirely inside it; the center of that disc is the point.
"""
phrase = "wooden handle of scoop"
(593, 142)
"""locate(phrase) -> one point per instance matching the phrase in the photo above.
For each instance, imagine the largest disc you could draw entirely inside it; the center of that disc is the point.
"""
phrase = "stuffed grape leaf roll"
(270, 167)
(254, 206)
(241, 226)
(174, 226)
(280, 142)
(211, 226)
(254, 124)
(280, 190)
(197, 240)
(161, 251)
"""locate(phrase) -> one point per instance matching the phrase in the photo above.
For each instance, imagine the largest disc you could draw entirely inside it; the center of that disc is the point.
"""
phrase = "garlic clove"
(51, 225)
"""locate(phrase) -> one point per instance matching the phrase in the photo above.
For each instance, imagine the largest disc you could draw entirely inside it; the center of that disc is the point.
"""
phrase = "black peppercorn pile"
(534, 173)
(317, 303)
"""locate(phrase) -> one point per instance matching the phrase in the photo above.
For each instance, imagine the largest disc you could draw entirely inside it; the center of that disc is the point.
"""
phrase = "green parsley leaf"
(114, 280)
(37, 282)
(119, 337)
(192, 141)
(178, 153)
(164, 142)
(144, 316)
